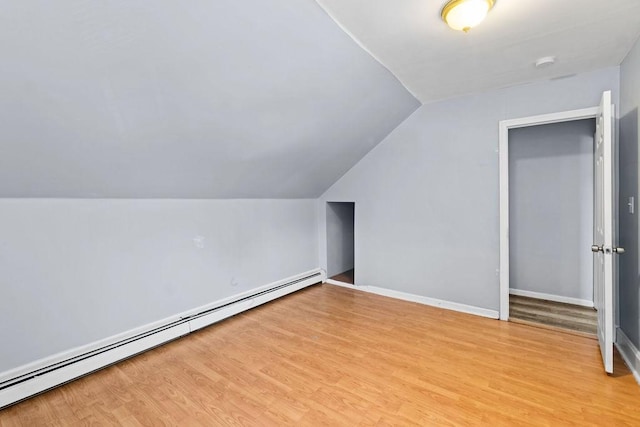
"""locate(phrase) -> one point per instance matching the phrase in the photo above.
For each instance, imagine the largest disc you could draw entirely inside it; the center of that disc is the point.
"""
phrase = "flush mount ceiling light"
(463, 15)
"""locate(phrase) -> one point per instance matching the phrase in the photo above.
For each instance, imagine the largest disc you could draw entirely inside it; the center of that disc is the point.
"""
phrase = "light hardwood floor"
(334, 356)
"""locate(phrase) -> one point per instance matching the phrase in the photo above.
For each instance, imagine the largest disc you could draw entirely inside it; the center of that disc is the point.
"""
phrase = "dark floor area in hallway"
(556, 315)
(346, 277)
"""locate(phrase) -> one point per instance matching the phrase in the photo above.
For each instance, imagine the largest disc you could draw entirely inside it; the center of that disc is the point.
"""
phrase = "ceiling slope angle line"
(363, 46)
(435, 62)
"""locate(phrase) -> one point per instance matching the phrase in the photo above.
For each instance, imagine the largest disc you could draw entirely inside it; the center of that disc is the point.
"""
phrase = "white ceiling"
(435, 62)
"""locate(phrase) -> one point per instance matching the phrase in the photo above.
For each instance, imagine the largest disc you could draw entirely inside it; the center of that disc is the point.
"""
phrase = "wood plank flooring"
(346, 277)
(567, 317)
(328, 355)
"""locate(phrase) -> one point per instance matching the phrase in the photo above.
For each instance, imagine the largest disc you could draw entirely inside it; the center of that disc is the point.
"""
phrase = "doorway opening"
(604, 213)
(341, 242)
(551, 193)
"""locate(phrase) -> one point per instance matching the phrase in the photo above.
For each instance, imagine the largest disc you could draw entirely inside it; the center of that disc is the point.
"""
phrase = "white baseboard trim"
(551, 297)
(433, 302)
(44, 374)
(629, 353)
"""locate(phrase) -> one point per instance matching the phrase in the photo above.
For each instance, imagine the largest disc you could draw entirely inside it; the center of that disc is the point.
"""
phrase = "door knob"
(618, 250)
(596, 249)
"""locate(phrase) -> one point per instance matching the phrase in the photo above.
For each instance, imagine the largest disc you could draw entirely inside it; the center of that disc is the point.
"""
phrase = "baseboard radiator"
(31, 380)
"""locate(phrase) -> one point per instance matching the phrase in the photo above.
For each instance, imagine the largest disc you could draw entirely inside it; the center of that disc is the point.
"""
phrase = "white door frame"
(505, 125)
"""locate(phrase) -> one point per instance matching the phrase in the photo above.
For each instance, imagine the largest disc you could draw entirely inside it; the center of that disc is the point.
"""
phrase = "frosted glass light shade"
(463, 15)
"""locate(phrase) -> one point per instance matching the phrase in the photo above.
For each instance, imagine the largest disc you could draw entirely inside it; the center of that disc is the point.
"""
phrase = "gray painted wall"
(340, 233)
(76, 271)
(629, 270)
(551, 209)
(196, 99)
(427, 196)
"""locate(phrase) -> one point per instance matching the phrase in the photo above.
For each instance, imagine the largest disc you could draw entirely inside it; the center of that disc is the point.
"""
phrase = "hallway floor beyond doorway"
(556, 315)
(346, 277)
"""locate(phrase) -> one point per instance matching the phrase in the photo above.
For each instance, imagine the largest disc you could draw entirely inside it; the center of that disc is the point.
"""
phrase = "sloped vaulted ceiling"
(193, 99)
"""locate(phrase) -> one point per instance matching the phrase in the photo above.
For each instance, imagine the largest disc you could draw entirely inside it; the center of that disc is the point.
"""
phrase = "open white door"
(603, 274)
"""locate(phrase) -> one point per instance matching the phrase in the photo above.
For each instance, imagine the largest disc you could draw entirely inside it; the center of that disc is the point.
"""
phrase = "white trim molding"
(629, 353)
(503, 149)
(28, 380)
(433, 302)
(551, 297)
